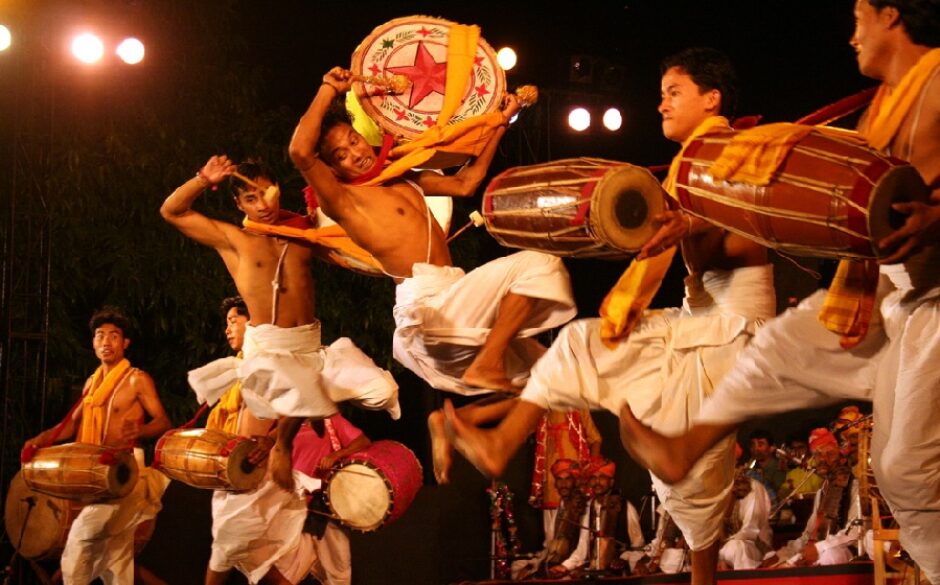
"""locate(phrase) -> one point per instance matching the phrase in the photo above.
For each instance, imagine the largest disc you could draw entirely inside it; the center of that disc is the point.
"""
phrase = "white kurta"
(100, 543)
(287, 372)
(665, 370)
(837, 547)
(794, 362)
(443, 315)
(745, 548)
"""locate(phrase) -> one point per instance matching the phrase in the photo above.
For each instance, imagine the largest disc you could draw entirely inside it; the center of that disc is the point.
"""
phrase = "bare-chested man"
(672, 358)
(117, 401)
(464, 333)
(284, 372)
(795, 362)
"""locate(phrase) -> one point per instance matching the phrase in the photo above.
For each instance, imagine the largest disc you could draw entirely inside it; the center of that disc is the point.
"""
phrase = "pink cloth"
(310, 448)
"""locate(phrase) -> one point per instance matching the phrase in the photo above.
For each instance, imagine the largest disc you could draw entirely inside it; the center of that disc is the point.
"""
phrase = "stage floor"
(861, 573)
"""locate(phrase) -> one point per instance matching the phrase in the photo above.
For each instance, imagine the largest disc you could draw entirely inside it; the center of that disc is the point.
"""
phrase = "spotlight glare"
(579, 119)
(506, 58)
(131, 51)
(613, 119)
(87, 48)
(6, 38)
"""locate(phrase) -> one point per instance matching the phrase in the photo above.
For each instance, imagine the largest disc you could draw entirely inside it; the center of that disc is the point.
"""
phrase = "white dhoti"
(794, 362)
(443, 315)
(745, 548)
(286, 372)
(665, 370)
(253, 531)
(100, 543)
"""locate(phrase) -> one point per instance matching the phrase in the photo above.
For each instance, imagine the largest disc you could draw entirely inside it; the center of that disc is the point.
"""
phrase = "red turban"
(566, 467)
(820, 437)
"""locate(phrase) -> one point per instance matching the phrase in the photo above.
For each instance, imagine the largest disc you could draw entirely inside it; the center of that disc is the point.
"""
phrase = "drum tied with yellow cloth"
(579, 207)
(808, 191)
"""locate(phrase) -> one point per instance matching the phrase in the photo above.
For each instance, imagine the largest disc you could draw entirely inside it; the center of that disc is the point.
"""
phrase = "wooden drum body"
(830, 198)
(580, 207)
(208, 459)
(80, 471)
(373, 488)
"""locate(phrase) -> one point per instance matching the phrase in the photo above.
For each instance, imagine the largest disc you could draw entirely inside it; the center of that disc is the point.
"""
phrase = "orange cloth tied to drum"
(754, 155)
(850, 301)
(224, 415)
(95, 402)
(633, 292)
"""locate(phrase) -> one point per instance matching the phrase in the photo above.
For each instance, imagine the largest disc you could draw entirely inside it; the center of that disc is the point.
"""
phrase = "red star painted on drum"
(481, 90)
(400, 115)
(429, 121)
(426, 75)
(478, 61)
(424, 32)
(374, 69)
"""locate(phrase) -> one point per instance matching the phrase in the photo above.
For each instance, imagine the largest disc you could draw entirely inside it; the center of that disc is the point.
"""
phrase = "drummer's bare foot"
(663, 456)
(482, 448)
(441, 448)
(481, 376)
(281, 469)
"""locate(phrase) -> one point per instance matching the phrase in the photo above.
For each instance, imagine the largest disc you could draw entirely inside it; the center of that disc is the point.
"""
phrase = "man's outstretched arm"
(467, 180)
(177, 208)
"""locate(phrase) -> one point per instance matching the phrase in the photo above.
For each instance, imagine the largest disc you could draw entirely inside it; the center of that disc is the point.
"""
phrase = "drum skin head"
(416, 47)
(623, 214)
(906, 185)
(36, 524)
(359, 495)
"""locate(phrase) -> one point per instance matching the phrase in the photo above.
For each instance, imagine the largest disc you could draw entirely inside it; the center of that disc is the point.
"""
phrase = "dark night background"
(87, 154)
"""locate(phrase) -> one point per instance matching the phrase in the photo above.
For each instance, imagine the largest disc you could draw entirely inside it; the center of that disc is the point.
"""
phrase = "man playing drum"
(254, 531)
(663, 363)
(116, 401)
(796, 362)
(285, 372)
(464, 333)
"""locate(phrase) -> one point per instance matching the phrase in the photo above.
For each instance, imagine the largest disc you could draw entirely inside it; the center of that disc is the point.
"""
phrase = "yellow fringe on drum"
(754, 155)
(625, 303)
(850, 301)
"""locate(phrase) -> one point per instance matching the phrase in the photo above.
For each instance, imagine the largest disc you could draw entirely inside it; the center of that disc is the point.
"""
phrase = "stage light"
(87, 48)
(131, 51)
(6, 38)
(506, 58)
(579, 119)
(613, 119)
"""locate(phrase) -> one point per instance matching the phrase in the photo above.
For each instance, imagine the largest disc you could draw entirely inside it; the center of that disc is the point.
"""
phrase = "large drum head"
(900, 184)
(626, 199)
(416, 47)
(358, 494)
(36, 524)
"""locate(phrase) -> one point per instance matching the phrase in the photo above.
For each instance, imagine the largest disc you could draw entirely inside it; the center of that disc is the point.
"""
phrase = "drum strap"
(276, 283)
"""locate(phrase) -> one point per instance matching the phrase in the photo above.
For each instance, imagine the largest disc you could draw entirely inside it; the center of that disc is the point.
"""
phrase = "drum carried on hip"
(81, 471)
(208, 459)
(374, 487)
(830, 198)
(579, 207)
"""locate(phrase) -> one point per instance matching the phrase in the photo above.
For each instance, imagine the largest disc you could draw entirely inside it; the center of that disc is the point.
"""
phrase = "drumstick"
(394, 84)
(270, 194)
(527, 95)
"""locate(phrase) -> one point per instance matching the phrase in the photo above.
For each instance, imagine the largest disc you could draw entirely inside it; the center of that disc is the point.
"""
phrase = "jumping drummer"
(662, 363)
(116, 401)
(282, 352)
(464, 333)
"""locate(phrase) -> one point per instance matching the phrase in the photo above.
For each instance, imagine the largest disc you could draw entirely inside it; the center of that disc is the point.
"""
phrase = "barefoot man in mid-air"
(662, 363)
(468, 333)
